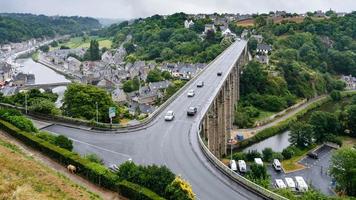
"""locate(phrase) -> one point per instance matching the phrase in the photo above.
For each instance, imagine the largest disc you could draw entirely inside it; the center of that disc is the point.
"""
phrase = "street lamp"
(26, 103)
(97, 112)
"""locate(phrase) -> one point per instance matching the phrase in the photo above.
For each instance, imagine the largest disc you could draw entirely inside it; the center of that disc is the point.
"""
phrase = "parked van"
(233, 166)
(277, 165)
(290, 183)
(242, 165)
(301, 185)
(280, 184)
(258, 161)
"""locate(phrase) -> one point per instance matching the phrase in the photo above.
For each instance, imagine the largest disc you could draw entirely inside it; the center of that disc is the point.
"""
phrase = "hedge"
(284, 125)
(136, 192)
(94, 172)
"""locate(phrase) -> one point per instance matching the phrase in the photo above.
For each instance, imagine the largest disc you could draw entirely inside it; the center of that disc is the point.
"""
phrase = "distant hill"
(19, 27)
(107, 21)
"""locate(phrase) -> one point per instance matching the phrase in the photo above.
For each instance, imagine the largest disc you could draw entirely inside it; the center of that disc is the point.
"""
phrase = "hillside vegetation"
(304, 63)
(21, 27)
(22, 177)
(165, 39)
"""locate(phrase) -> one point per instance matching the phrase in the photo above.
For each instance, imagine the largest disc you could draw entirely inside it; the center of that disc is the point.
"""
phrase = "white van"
(242, 165)
(301, 186)
(280, 184)
(259, 161)
(277, 165)
(233, 166)
(290, 183)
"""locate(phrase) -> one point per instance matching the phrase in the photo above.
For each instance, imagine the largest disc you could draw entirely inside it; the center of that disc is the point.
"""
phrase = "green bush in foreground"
(136, 192)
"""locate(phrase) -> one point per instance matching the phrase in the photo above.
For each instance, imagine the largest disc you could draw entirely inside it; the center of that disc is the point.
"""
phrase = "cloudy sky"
(143, 8)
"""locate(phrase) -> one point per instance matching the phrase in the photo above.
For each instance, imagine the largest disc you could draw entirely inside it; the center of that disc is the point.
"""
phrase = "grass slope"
(21, 177)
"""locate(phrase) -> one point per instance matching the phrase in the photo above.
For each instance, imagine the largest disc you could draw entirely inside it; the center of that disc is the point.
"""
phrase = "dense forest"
(304, 63)
(20, 27)
(165, 39)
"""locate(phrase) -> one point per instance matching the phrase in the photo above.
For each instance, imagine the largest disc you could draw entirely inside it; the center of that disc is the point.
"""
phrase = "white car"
(242, 166)
(191, 93)
(259, 161)
(169, 116)
(113, 167)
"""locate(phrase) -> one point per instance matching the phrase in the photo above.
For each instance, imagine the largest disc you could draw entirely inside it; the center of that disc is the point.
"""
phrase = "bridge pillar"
(221, 124)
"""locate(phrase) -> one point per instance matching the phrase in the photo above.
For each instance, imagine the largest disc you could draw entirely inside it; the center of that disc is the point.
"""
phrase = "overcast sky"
(143, 8)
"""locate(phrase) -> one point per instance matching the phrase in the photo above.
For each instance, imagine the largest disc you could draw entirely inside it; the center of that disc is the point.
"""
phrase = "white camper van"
(290, 183)
(301, 185)
(242, 166)
(233, 166)
(277, 165)
(258, 161)
(280, 184)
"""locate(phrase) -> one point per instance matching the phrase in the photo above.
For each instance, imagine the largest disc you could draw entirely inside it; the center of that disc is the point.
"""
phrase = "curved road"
(173, 144)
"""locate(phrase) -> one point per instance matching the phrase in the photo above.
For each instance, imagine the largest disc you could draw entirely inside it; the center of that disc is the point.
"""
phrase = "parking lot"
(315, 173)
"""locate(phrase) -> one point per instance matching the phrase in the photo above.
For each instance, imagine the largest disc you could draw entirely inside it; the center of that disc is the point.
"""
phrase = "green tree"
(351, 119)
(301, 134)
(260, 21)
(167, 53)
(80, 102)
(44, 48)
(40, 105)
(343, 170)
(335, 95)
(93, 53)
(258, 174)
(63, 142)
(154, 75)
(267, 154)
(252, 44)
(325, 125)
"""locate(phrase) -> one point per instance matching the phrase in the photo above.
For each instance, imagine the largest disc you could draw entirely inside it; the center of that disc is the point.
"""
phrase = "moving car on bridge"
(169, 116)
(192, 111)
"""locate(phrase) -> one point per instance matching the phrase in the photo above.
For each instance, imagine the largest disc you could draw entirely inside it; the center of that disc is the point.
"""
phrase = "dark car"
(219, 73)
(200, 84)
(192, 111)
(313, 155)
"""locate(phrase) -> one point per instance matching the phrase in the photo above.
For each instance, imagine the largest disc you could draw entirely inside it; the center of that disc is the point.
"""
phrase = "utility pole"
(26, 103)
(97, 112)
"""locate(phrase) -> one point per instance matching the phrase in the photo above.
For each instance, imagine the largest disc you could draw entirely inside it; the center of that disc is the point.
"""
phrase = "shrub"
(179, 189)
(251, 155)
(22, 123)
(277, 155)
(335, 95)
(154, 177)
(136, 192)
(46, 136)
(94, 158)
(63, 142)
(267, 154)
(287, 153)
(239, 156)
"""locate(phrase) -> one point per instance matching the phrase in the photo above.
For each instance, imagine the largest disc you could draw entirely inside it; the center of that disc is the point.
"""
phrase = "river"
(276, 142)
(44, 75)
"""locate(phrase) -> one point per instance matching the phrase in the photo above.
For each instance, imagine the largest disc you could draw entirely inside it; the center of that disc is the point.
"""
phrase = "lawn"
(77, 42)
(22, 177)
(292, 164)
(263, 115)
(348, 141)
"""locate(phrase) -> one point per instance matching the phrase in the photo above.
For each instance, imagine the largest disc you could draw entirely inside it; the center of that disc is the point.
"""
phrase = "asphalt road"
(173, 144)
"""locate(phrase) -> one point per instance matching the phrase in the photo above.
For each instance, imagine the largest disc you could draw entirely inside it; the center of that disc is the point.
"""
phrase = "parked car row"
(241, 164)
(299, 185)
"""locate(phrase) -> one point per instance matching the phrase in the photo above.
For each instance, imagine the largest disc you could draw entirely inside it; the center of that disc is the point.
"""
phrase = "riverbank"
(283, 123)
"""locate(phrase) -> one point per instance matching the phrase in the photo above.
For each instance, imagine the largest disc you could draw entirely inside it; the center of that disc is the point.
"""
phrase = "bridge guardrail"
(236, 177)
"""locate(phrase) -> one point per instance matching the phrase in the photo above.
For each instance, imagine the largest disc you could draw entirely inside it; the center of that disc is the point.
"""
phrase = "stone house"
(263, 48)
